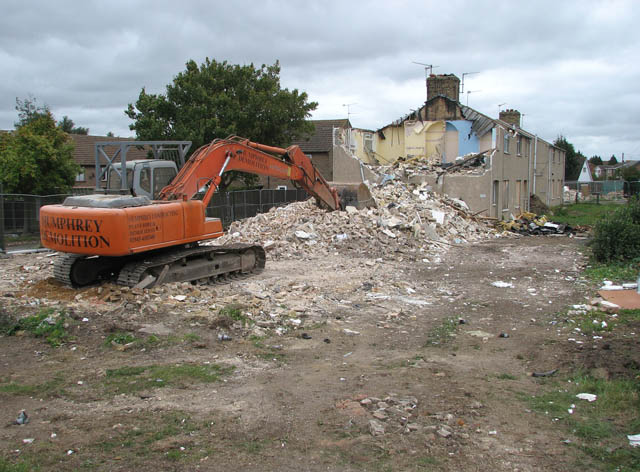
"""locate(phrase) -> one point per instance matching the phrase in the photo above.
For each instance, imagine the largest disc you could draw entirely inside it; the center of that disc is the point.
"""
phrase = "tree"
(68, 126)
(573, 160)
(596, 160)
(613, 160)
(218, 99)
(37, 158)
(630, 174)
(29, 110)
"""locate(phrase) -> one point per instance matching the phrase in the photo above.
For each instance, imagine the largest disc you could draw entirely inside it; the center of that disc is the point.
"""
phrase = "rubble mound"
(409, 219)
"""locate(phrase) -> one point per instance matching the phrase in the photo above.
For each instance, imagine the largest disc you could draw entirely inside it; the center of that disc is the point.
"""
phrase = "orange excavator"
(143, 242)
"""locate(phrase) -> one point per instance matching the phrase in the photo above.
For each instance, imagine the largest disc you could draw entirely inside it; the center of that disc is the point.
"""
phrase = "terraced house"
(512, 163)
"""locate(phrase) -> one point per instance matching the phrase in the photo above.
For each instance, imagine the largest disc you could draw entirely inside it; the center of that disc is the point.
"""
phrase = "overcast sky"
(571, 67)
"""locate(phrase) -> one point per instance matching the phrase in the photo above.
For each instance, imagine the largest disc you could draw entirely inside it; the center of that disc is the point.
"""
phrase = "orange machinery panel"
(123, 231)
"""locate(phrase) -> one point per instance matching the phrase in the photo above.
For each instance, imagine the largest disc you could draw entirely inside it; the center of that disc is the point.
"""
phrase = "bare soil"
(416, 343)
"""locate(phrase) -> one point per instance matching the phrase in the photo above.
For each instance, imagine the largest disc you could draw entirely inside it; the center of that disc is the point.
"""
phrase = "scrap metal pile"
(530, 223)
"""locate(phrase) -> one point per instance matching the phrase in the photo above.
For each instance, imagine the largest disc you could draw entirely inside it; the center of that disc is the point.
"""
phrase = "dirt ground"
(366, 362)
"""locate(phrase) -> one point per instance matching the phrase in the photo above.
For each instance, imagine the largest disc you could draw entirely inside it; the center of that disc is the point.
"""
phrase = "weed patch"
(234, 312)
(131, 379)
(443, 333)
(617, 272)
(51, 388)
(598, 429)
(47, 323)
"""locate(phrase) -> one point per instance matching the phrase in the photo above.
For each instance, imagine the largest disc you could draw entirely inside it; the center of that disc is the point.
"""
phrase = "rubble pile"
(408, 218)
(472, 164)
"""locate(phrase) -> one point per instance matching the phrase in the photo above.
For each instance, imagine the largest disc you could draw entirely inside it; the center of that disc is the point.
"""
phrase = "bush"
(616, 237)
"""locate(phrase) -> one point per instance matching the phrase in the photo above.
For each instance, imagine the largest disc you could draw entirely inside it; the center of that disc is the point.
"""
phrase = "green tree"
(573, 160)
(596, 160)
(218, 99)
(37, 158)
(630, 174)
(613, 160)
(67, 125)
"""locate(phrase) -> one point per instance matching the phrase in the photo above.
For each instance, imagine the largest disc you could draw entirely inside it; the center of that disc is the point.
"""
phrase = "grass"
(47, 323)
(130, 379)
(506, 376)
(595, 322)
(22, 466)
(598, 429)
(617, 272)
(443, 333)
(234, 313)
(48, 389)
(582, 214)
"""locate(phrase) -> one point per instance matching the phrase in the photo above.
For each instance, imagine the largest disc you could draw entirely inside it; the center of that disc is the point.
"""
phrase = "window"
(162, 176)
(527, 144)
(505, 195)
(368, 142)
(518, 193)
(282, 187)
(525, 195)
(145, 179)
(506, 142)
(81, 177)
(519, 146)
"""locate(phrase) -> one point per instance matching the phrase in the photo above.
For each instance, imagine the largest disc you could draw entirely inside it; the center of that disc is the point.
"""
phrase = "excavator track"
(75, 270)
(200, 263)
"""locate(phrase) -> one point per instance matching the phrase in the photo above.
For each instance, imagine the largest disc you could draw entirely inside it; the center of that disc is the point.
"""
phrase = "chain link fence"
(20, 214)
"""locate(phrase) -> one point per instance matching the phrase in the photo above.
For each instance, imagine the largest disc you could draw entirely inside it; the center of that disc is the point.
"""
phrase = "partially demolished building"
(492, 164)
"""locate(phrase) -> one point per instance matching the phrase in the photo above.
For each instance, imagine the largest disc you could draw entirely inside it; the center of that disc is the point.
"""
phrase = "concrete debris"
(410, 219)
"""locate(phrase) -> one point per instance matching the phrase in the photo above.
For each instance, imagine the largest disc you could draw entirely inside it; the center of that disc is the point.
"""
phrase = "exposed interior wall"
(392, 146)
(474, 190)
(451, 144)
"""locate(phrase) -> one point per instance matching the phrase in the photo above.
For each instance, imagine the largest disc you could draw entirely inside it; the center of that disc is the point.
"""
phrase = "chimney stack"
(510, 116)
(443, 84)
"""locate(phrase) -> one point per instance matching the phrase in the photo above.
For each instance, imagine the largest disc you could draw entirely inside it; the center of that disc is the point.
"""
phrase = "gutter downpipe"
(549, 189)
(535, 163)
(529, 179)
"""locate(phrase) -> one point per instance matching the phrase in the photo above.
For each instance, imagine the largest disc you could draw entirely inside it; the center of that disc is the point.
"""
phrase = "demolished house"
(493, 165)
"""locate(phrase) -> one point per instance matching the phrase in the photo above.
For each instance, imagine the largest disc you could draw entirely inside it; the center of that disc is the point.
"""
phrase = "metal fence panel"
(21, 213)
(240, 204)
(592, 191)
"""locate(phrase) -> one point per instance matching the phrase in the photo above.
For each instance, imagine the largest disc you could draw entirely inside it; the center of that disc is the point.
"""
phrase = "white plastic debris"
(179, 298)
(501, 284)
(634, 440)
(608, 285)
(590, 397)
(438, 216)
(302, 234)
(350, 332)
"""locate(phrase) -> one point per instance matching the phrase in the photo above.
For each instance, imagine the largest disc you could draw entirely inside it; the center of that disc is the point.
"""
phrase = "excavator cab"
(145, 177)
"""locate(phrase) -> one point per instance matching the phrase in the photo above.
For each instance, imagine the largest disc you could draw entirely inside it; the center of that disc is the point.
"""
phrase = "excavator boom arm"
(205, 168)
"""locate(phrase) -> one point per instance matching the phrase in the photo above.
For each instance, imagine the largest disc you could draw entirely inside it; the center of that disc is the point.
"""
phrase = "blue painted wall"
(467, 141)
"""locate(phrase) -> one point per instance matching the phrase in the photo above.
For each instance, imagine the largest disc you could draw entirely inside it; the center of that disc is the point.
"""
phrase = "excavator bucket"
(355, 194)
